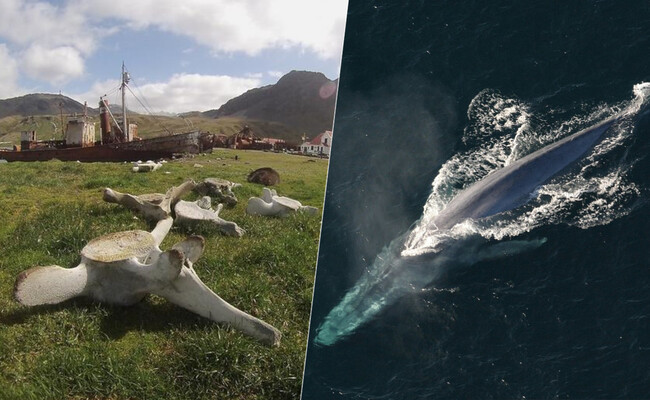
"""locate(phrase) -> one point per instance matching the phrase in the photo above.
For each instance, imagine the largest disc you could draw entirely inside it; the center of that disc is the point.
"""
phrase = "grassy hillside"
(39, 104)
(10, 128)
(148, 126)
(301, 102)
(153, 126)
(155, 350)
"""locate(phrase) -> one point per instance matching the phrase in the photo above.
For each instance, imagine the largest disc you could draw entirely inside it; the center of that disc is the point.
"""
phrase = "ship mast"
(62, 120)
(125, 125)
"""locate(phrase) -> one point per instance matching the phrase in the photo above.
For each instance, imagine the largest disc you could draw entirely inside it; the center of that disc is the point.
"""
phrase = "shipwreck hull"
(177, 144)
(83, 154)
(148, 149)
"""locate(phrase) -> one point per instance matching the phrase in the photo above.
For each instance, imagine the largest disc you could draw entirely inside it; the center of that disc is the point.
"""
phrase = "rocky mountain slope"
(39, 104)
(301, 100)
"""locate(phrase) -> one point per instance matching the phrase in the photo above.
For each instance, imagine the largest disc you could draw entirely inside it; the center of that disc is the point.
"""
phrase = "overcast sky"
(182, 55)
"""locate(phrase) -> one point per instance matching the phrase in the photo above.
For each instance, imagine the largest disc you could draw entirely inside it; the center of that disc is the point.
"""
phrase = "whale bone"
(200, 212)
(153, 206)
(218, 188)
(123, 267)
(270, 204)
(148, 166)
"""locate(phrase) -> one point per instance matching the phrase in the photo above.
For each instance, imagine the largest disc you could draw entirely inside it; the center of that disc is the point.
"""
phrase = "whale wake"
(507, 141)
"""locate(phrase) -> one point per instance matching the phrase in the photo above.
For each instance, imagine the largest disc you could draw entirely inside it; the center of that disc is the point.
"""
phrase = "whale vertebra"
(396, 272)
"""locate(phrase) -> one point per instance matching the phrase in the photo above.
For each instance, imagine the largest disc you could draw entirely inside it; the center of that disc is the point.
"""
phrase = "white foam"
(501, 132)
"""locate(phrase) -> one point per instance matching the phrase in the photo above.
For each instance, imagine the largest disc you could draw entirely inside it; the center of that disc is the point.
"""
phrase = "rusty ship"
(119, 140)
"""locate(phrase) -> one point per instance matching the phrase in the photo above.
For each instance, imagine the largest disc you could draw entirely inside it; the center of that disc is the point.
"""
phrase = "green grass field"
(155, 350)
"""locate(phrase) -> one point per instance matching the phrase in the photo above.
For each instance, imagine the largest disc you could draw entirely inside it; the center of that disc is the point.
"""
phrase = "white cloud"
(55, 65)
(275, 74)
(106, 88)
(8, 73)
(53, 39)
(247, 26)
(37, 22)
(181, 93)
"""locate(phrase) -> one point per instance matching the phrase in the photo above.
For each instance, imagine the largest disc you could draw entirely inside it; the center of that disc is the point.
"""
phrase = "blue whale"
(511, 186)
(393, 274)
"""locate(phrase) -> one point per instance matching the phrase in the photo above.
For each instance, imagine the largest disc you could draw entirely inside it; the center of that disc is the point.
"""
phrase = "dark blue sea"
(549, 300)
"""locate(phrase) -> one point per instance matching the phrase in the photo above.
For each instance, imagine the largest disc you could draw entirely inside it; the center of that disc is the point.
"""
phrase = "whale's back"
(511, 186)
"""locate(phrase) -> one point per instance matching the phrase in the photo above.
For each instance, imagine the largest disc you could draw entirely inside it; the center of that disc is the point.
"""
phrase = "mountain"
(301, 100)
(39, 104)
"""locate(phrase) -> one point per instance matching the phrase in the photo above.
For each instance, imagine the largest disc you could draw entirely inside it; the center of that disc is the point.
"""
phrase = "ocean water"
(550, 300)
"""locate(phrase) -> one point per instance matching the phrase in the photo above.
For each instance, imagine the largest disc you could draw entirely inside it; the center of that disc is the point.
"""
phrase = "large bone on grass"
(123, 267)
(191, 212)
(111, 271)
(153, 206)
(220, 189)
(148, 166)
(270, 204)
(189, 292)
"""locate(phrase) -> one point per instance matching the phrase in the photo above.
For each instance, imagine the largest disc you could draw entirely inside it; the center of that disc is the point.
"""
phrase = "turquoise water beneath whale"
(551, 300)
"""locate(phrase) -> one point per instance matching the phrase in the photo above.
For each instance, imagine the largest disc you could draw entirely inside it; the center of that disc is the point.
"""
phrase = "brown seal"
(265, 176)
